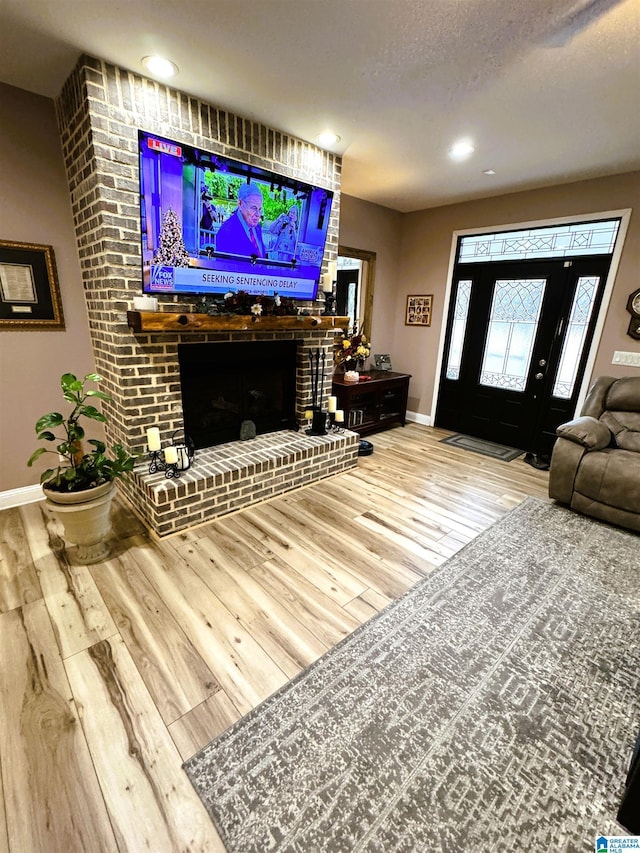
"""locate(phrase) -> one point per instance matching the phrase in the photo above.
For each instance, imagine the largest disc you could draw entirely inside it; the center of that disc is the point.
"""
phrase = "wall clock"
(633, 307)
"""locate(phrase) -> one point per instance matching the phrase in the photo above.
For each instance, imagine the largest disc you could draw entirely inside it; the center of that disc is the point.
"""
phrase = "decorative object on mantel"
(145, 303)
(208, 305)
(328, 285)
(80, 489)
(351, 376)
(173, 459)
(350, 350)
(259, 305)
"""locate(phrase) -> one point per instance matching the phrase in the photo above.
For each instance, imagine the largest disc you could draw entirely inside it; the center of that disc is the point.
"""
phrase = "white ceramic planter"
(86, 519)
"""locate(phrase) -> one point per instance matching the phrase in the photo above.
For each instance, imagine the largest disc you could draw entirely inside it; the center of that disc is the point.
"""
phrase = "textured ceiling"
(548, 90)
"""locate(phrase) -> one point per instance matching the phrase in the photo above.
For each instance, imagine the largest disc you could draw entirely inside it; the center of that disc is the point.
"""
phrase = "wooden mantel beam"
(163, 321)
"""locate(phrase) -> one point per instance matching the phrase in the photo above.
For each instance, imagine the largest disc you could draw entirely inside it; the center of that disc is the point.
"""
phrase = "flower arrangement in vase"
(350, 349)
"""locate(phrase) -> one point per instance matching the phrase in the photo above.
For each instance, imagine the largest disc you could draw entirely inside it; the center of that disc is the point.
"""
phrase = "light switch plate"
(631, 359)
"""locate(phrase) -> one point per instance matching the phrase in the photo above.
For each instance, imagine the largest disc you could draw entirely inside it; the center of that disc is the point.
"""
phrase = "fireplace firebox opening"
(225, 384)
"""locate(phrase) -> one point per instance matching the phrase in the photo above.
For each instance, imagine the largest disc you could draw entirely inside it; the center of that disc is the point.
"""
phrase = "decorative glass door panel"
(513, 322)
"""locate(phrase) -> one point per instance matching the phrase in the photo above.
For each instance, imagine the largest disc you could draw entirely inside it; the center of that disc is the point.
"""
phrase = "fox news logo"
(161, 278)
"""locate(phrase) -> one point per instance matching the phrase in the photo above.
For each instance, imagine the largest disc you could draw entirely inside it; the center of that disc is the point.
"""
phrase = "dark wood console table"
(375, 404)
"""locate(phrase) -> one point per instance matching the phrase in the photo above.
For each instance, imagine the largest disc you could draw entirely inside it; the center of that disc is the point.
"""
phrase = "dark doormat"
(486, 448)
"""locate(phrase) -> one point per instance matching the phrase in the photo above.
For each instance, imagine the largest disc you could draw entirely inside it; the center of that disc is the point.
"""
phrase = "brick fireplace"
(99, 113)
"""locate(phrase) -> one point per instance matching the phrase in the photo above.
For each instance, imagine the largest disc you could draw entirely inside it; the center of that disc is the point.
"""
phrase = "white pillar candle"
(332, 405)
(171, 455)
(340, 416)
(153, 438)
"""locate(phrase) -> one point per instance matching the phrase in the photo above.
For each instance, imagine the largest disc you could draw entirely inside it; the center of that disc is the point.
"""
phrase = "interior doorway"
(355, 286)
(348, 289)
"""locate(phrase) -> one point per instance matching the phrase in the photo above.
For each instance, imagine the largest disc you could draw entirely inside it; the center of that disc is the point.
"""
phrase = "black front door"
(518, 336)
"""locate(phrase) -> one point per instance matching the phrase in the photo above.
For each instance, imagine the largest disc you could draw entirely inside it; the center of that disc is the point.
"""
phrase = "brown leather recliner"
(595, 465)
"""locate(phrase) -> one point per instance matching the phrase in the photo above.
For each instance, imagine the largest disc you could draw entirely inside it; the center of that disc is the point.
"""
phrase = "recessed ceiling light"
(159, 66)
(488, 171)
(328, 137)
(461, 149)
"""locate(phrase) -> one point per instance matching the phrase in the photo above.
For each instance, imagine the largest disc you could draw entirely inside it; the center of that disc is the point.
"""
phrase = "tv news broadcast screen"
(213, 225)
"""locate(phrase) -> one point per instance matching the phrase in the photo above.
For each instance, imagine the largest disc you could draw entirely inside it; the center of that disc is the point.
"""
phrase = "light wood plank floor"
(112, 675)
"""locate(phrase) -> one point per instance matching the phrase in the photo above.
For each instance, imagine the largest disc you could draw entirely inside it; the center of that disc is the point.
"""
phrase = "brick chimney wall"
(99, 112)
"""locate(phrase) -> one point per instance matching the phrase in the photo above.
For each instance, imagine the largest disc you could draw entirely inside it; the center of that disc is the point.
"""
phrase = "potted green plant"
(82, 485)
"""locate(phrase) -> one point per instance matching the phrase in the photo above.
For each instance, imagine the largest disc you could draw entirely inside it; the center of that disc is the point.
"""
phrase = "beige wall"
(376, 229)
(35, 208)
(423, 255)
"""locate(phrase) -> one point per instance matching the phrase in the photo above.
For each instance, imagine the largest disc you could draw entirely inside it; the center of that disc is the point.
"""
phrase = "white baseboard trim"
(18, 497)
(417, 418)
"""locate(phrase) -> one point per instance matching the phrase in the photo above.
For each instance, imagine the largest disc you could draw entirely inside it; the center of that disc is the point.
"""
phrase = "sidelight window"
(581, 311)
(460, 317)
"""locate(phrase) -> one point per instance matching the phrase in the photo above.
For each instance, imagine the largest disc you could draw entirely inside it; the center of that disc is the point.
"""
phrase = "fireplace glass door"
(227, 383)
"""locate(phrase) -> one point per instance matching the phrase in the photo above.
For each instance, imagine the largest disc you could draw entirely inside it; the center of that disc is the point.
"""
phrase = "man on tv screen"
(241, 234)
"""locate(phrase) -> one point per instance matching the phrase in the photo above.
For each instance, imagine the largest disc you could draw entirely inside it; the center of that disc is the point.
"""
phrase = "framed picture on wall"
(418, 310)
(29, 289)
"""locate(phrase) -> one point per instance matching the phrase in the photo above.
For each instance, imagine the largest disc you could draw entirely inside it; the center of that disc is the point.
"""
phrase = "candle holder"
(335, 426)
(185, 447)
(172, 470)
(156, 461)
(329, 305)
(184, 453)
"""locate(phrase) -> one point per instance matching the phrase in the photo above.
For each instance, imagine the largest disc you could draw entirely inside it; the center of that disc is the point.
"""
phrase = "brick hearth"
(235, 475)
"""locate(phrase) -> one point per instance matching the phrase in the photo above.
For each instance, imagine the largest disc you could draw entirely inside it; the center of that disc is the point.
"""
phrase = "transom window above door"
(558, 241)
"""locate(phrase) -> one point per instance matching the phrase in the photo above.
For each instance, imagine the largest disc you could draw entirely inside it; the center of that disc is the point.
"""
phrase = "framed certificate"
(29, 289)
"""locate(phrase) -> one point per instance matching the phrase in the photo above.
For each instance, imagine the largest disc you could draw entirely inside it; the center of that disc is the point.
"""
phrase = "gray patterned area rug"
(493, 707)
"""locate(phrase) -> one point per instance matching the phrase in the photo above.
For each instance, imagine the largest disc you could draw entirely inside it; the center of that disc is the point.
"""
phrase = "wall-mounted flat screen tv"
(211, 224)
